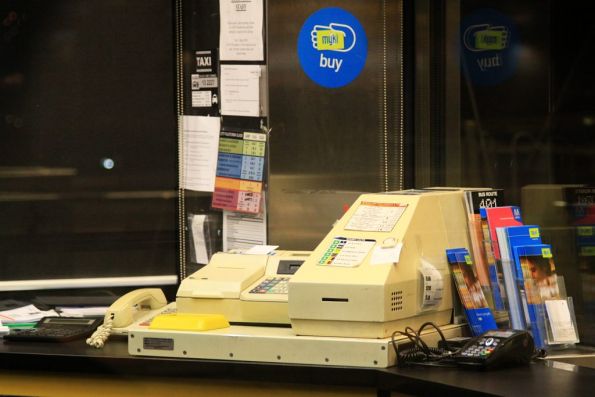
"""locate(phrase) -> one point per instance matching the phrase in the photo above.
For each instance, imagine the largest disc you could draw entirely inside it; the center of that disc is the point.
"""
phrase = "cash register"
(380, 269)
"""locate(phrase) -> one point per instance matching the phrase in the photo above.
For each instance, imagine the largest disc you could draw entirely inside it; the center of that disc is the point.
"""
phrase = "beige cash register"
(244, 288)
(382, 267)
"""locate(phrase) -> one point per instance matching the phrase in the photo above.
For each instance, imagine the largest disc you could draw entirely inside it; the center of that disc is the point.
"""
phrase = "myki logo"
(332, 47)
(484, 37)
(490, 47)
(332, 37)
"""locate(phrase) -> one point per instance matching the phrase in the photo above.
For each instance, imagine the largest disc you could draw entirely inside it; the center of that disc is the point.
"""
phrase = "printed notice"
(203, 80)
(386, 255)
(560, 321)
(197, 226)
(201, 99)
(241, 37)
(346, 252)
(200, 144)
(242, 231)
(240, 90)
(240, 171)
(262, 250)
(376, 217)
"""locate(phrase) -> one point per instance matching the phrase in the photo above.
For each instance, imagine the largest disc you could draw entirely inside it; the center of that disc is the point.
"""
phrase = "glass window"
(88, 141)
(527, 121)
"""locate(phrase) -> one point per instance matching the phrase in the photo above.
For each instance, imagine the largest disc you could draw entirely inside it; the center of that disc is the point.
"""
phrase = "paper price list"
(376, 217)
(240, 171)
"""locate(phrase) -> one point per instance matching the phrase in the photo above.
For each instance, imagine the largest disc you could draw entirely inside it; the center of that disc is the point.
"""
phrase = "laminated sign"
(204, 82)
(240, 170)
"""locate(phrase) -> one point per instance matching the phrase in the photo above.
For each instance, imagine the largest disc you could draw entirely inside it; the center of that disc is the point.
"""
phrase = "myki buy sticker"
(332, 47)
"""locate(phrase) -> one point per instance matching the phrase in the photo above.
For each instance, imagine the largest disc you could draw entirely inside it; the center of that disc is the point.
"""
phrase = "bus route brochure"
(537, 283)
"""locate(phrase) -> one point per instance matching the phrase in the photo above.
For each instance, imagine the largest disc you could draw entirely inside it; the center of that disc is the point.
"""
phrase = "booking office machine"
(244, 288)
(380, 269)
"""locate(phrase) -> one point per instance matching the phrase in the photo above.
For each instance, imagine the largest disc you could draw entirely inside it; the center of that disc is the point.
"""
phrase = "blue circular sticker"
(489, 42)
(332, 47)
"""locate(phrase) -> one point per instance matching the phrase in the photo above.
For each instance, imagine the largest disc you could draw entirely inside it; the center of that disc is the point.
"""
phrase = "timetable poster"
(240, 171)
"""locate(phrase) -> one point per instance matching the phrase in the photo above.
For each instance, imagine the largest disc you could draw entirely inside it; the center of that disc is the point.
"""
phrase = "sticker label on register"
(346, 252)
(158, 344)
(376, 217)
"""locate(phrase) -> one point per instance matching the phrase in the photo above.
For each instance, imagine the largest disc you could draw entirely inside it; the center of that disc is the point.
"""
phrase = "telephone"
(136, 306)
(497, 348)
(133, 306)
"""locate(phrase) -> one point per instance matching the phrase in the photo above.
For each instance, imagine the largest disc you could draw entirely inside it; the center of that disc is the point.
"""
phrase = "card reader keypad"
(271, 285)
(482, 348)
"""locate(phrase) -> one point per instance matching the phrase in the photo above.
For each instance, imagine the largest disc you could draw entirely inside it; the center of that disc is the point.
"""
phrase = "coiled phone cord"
(420, 353)
(102, 333)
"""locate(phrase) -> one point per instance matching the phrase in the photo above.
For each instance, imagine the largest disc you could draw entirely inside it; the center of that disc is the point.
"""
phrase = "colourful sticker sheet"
(346, 252)
(240, 171)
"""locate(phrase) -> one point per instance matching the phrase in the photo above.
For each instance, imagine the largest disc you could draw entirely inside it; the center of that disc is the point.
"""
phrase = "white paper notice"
(433, 285)
(243, 231)
(386, 255)
(376, 217)
(198, 236)
(25, 314)
(240, 90)
(201, 99)
(560, 321)
(82, 311)
(261, 249)
(201, 143)
(241, 36)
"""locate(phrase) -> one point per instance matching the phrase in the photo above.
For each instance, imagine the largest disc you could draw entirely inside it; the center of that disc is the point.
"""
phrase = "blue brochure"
(479, 315)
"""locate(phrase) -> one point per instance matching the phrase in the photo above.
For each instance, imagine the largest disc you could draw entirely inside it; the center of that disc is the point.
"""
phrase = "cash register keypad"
(271, 285)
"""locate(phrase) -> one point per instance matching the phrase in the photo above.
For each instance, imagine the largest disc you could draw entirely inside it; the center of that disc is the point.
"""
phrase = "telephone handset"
(129, 308)
(497, 348)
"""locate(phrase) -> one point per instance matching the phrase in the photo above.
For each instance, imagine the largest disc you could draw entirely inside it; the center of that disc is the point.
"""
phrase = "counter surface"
(542, 378)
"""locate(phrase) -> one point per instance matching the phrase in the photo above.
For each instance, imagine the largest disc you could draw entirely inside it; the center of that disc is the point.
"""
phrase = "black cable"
(424, 325)
(394, 343)
(420, 353)
(420, 343)
(429, 323)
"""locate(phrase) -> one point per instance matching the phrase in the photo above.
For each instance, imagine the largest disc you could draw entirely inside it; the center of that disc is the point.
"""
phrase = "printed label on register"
(346, 252)
(376, 217)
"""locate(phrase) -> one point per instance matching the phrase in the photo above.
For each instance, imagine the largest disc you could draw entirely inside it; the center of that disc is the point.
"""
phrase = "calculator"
(56, 329)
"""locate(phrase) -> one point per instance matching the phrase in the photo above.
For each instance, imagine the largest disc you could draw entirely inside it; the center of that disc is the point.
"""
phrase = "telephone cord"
(101, 334)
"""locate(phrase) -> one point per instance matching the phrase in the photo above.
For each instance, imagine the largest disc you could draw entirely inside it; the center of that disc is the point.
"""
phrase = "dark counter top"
(540, 378)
